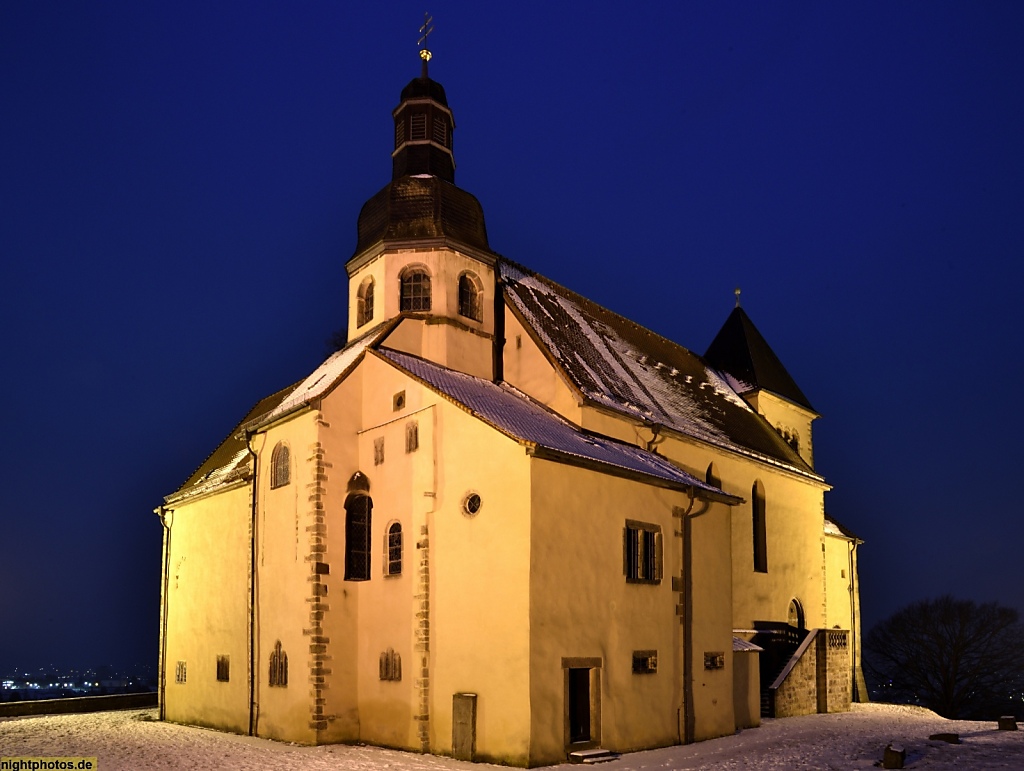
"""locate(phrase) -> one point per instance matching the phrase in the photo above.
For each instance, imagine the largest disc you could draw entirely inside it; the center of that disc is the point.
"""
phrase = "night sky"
(179, 190)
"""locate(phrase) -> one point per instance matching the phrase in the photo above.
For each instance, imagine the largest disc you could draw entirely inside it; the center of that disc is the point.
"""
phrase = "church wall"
(340, 419)
(449, 344)
(794, 515)
(788, 419)
(837, 583)
(283, 570)
(528, 369)
(207, 610)
(479, 586)
(713, 693)
(583, 608)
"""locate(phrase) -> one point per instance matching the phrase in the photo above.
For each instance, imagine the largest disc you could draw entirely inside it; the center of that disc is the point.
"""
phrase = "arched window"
(364, 311)
(471, 303)
(415, 290)
(796, 614)
(712, 478)
(358, 509)
(280, 466)
(760, 528)
(393, 550)
(278, 667)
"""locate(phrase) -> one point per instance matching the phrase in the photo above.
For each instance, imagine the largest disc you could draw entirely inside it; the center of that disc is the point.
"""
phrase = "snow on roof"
(516, 415)
(617, 364)
(739, 645)
(322, 378)
(834, 527)
(229, 461)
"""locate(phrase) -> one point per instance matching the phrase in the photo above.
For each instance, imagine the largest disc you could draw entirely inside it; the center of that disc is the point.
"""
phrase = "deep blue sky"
(179, 190)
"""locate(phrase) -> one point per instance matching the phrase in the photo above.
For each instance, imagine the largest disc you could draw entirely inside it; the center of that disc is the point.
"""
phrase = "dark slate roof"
(833, 524)
(519, 417)
(740, 350)
(420, 207)
(622, 366)
(229, 460)
(420, 88)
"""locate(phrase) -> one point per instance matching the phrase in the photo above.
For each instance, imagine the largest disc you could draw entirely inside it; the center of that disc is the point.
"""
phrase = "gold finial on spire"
(737, 293)
(425, 30)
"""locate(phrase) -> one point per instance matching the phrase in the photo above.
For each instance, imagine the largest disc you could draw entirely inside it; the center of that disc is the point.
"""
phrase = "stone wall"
(818, 677)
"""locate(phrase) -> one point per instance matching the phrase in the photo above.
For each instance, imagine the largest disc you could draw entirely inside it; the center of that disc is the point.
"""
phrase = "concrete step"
(592, 756)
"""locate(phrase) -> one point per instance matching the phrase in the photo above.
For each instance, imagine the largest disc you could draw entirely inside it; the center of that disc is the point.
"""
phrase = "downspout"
(165, 516)
(687, 516)
(854, 636)
(253, 706)
(498, 344)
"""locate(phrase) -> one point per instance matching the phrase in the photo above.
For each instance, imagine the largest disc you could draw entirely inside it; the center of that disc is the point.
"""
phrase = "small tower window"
(364, 300)
(400, 131)
(412, 436)
(280, 466)
(415, 290)
(470, 297)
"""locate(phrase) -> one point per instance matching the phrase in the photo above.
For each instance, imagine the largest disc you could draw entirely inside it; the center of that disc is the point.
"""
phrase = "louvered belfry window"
(419, 126)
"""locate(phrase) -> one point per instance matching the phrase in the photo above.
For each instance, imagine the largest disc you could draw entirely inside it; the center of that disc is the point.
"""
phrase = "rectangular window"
(223, 672)
(645, 662)
(399, 132)
(642, 560)
(714, 660)
(412, 436)
(378, 451)
(180, 672)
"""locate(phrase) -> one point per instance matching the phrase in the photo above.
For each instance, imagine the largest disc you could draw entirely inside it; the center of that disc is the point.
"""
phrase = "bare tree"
(959, 658)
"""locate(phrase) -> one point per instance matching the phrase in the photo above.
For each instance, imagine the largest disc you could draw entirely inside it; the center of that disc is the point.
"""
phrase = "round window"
(471, 504)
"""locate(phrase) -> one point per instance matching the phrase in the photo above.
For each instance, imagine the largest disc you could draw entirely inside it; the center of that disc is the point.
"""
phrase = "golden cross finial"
(425, 30)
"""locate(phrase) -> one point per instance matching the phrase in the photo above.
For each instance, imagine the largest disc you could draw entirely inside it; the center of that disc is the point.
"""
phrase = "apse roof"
(618, 364)
(516, 415)
(742, 351)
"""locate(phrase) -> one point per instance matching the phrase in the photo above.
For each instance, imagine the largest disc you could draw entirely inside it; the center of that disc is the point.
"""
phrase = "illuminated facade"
(503, 522)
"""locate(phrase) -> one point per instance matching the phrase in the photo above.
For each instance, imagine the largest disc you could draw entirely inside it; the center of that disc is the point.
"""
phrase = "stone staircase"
(779, 641)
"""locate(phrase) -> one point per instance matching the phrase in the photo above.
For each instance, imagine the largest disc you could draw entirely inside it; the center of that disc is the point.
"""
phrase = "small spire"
(425, 30)
(737, 293)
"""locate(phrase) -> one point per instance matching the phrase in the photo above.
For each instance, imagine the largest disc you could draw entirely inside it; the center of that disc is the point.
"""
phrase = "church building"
(504, 523)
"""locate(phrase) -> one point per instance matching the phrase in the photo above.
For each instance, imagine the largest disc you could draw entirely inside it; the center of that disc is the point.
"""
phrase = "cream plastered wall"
(450, 344)
(528, 369)
(582, 606)
(711, 576)
(340, 421)
(208, 610)
(794, 517)
(787, 416)
(444, 266)
(476, 578)
(282, 574)
(839, 608)
(479, 586)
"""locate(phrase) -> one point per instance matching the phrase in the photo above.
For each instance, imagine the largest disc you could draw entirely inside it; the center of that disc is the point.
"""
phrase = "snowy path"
(133, 740)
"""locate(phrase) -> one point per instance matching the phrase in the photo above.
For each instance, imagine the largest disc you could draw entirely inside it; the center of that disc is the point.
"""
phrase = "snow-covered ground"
(135, 740)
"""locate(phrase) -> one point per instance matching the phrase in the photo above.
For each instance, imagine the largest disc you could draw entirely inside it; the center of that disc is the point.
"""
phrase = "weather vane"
(425, 30)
